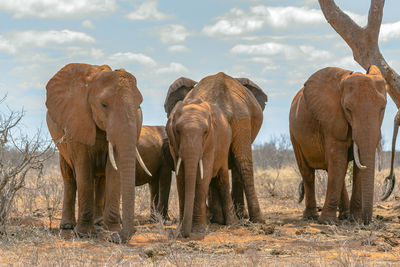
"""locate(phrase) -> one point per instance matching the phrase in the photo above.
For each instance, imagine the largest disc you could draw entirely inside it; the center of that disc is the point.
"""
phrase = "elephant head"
(84, 99)
(182, 86)
(351, 106)
(191, 132)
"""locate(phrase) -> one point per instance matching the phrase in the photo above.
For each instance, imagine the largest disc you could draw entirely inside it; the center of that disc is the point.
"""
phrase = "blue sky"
(277, 44)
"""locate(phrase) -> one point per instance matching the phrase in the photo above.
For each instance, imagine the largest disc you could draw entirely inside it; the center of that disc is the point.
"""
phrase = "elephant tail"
(301, 191)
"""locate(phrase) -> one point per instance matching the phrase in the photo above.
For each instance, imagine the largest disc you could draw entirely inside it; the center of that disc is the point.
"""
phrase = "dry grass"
(284, 240)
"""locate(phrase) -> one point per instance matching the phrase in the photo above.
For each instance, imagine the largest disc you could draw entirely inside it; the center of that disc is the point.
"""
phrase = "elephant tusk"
(139, 158)
(173, 175)
(230, 174)
(357, 157)
(201, 169)
(178, 165)
(111, 155)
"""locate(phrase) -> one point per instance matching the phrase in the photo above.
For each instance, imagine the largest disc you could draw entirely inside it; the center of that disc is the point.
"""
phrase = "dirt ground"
(284, 240)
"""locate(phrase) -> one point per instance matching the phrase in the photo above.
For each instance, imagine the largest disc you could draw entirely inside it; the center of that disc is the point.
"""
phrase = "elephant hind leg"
(68, 211)
(308, 177)
(238, 193)
(227, 205)
(164, 188)
(214, 203)
(154, 196)
(242, 152)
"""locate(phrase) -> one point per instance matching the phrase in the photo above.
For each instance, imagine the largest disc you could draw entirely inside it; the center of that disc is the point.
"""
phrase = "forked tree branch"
(363, 41)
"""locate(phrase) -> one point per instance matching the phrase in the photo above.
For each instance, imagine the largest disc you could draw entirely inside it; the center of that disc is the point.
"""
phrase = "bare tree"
(19, 155)
(363, 41)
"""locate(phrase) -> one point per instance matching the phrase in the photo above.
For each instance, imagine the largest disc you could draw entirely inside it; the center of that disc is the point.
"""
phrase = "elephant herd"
(95, 120)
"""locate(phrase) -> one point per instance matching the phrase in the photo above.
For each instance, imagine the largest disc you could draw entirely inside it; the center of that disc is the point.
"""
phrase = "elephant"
(243, 109)
(200, 135)
(92, 111)
(335, 118)
(153, 146)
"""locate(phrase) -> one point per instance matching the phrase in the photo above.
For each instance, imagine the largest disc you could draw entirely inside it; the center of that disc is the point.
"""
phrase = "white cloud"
(177, 48)
(129, 57)
(290, 52)
(56, 8)
(148, 11)
(173, 33)
(239, 22)
(7, 46)
(28, 39)
(389, 31)
(88, 24)
(44, 38)
(76, 51)
(173, 68)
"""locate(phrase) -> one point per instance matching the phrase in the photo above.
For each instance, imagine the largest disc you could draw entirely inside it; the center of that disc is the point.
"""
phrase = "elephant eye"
(348, 109)
(178, 132)
(383, 108)
(104, 105)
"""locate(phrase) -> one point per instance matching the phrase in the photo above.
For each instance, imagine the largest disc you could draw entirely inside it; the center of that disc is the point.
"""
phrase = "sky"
(276, 44)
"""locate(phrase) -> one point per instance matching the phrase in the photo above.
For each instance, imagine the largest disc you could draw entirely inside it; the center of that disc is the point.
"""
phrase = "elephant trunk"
(395, 132)
(190, 165)
(127, 169)
(366, 153)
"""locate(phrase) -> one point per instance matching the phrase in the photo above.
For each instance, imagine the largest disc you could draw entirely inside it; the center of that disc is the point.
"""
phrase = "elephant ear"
(67, 101)
(374, 70)
(261, 97)
(323, 98)
(176, 92)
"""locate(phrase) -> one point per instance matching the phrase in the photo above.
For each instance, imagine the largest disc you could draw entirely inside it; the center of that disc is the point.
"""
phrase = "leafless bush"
(19, 155)
(273, 154)
(51, 190)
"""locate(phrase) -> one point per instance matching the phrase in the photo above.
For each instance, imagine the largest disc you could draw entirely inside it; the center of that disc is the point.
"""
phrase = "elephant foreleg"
(337, 167)
(344, 206)
(85, 185)
(68, 211)
(100, 184)
(180, 184)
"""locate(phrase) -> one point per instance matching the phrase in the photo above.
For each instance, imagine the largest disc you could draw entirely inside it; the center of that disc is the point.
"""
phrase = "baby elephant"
(154, 149)
(200, 137)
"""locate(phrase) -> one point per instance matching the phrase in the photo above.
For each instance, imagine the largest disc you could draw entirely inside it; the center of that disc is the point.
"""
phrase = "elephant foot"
(257, 219)
(344, 215)
(356, 217)
(231, 219)
(99, 222)
(113, 227)
(199, 228)
(120, 237)
(241, 213)
(217, 218)
(310, 214)
(327, 219)
(67, 225)
(85, 230)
